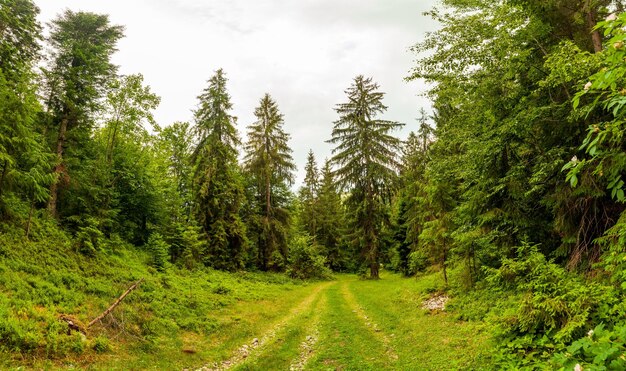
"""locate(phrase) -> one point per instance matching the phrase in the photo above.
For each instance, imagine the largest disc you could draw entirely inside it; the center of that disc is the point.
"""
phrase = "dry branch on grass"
(115, 304)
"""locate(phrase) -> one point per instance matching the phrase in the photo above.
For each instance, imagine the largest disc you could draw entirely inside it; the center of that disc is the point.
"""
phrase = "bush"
(553, 306)
(601, 349)
(89, 239)
(159, 252)
(101, 344)
(305, 261)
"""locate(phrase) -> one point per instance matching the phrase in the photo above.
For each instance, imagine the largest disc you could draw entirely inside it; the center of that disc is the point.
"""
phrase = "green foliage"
(89, 239)
(602, 98)
(331, 221)
(159, 252)
(23, 157)
(305, 261)
(218, 187)
(79, 70)
(269, 164)
(367, 164)
(553, 307)
(601, 349)
(101, 344)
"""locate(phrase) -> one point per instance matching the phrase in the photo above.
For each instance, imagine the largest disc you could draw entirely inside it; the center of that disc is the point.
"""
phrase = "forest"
(507, 202)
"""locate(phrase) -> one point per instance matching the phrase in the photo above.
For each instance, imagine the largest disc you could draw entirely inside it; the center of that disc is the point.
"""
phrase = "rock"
(436, 302)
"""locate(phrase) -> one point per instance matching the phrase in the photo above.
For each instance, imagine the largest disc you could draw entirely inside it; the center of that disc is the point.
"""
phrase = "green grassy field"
(352, 324)
(182, 319)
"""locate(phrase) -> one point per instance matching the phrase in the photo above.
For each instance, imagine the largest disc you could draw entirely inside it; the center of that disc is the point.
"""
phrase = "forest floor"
(352, 324)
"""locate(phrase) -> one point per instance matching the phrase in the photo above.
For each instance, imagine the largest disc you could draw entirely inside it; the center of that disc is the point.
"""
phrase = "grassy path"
(351, 324)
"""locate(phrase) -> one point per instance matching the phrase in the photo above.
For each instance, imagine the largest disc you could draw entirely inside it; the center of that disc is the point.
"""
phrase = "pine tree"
(309, 197)
(218, 186)
(80, 67)
(366, 157)
(331, 219)
(269, 163)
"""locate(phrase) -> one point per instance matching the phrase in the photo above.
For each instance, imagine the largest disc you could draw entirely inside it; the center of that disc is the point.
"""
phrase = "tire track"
(372, 326)
(257, 345)
(307, 347)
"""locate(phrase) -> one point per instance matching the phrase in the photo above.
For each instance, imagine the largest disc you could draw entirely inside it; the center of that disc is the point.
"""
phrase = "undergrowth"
(45, 281)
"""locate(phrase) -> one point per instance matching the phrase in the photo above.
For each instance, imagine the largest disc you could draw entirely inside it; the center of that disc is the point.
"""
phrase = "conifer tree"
(330, 219)
(366, 158)
(309, 197)
(80, 66)
(23, 158)
(269, 162)
(217, 182)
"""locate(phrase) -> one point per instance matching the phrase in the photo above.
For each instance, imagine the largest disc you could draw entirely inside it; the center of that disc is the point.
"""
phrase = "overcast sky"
(305, 53)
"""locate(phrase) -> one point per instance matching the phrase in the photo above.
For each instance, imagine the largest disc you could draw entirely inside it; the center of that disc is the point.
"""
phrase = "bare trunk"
(596, 38)
(58, 169)
(374, 271)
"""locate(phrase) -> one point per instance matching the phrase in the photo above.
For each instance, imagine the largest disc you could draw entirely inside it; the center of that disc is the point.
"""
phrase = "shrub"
(601, 349)
(553, 306)
(89, 239)
(305, 261)
(101, 344)
(159, 252)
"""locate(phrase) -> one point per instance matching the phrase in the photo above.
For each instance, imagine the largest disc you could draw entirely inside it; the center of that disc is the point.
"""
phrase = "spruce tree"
(269, 162)
(82, 44)
(366, 158)
(309, 197)
(217, 182)
(330, 219)
(23, 157)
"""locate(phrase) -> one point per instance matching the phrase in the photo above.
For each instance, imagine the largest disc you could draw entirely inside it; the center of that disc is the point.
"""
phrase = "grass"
(188, 319)
(173, 320)
(422, 340)
(345, 341)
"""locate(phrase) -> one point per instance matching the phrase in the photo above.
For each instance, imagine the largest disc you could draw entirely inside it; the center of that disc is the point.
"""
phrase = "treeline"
(522, 190)
(79, 145)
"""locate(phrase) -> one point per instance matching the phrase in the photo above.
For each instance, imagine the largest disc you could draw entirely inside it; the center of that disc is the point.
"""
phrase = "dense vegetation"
(513, 189)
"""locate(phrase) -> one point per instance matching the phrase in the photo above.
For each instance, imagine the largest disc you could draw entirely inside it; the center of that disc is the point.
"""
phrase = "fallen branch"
(115, 304)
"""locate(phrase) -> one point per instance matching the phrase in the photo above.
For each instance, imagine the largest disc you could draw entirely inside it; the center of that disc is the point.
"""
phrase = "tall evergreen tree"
(309, 197)
(367, 164)
(331, 219)
(80, 66)
(217, 181)
(23, 158)
(269, 162)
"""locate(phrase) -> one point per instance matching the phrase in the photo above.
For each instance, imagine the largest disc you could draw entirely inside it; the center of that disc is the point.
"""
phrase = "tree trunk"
(58, 169)
(374, 271)
(596, 38)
